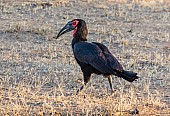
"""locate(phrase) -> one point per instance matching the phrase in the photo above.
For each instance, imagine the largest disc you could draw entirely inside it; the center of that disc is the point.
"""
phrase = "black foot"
(113, 92)
(79, 90)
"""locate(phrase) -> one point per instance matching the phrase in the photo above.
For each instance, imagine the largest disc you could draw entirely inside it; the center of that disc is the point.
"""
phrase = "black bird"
(93, 57)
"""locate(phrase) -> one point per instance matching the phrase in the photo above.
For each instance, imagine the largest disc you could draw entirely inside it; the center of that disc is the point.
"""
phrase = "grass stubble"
(39, 76)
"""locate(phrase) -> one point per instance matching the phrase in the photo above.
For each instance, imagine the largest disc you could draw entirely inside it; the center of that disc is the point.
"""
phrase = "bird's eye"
(75, 22)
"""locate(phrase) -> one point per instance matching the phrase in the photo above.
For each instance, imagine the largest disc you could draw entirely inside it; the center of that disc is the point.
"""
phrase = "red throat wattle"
(74, 32)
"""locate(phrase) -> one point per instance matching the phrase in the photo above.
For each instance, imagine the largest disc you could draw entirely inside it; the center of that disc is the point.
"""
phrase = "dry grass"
(39, 76)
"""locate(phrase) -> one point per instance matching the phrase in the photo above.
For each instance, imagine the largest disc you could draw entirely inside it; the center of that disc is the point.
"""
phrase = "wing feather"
(113, 62)
(90, 53)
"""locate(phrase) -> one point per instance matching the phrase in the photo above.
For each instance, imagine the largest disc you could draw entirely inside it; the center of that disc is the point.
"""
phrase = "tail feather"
(129, 76)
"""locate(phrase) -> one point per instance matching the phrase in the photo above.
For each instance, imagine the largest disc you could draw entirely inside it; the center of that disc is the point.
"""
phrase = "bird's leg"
(86, 80)
(110, 82)
(81, 88)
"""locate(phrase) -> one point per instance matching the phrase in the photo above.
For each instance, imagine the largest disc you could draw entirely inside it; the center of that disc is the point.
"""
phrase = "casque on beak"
(68, 27)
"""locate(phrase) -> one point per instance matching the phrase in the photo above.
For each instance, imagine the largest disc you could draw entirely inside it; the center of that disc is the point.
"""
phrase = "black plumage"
(94, 57)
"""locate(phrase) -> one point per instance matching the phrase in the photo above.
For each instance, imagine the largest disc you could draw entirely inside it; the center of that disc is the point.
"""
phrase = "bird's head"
(71, 25)
(78, 25)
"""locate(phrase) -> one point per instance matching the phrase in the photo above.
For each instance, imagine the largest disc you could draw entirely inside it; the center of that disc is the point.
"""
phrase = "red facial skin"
(74, 23)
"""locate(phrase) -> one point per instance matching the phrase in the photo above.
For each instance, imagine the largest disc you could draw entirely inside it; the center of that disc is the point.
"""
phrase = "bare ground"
(39, 76)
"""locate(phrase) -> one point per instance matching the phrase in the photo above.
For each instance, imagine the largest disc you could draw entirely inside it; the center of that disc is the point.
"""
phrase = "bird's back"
(113, 62)
(96, 55)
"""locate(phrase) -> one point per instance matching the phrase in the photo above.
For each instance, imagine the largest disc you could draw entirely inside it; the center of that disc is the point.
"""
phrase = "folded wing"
(113, 62)
(98, 56)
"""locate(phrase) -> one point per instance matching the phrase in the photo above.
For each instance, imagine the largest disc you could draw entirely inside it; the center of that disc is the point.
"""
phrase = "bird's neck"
(75, 40)
(79, 34)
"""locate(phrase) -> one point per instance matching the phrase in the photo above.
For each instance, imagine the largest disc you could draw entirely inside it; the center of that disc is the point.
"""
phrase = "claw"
(79, 90)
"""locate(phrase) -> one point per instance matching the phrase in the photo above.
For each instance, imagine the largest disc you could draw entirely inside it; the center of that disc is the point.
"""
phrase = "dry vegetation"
(39, 76)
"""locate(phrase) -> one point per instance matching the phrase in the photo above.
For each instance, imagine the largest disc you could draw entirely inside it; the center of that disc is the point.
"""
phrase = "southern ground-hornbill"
(93, 57)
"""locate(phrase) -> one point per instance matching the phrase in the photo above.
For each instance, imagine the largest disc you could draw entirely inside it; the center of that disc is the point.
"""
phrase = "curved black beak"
(68, 27)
